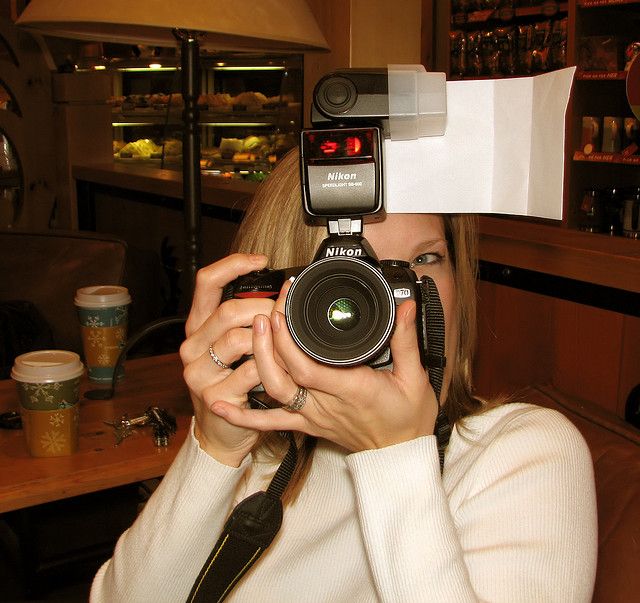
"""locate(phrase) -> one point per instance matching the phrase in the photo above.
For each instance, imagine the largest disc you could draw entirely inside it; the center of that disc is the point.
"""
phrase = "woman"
(369, 516)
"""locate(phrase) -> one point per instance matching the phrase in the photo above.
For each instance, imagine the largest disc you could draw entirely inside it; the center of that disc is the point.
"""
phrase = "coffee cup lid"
(45, 366)
(99, 296)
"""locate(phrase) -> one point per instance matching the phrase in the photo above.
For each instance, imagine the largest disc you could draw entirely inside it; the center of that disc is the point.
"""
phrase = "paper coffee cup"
(48, 388)
(51, 432)
(103, 311)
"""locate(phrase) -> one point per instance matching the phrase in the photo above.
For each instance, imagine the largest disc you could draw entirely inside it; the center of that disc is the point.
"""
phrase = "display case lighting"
(129, 124)
(235, 124)
(149, 68)
(249, 68)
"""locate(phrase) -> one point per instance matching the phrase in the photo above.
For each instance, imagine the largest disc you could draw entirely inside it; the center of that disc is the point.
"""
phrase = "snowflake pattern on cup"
(93, 321)
(44, 392)
(106, 317)
(96, 339)
(52, 432)
(53, 441)
(104, 335)
(49, 396)
(56, 419)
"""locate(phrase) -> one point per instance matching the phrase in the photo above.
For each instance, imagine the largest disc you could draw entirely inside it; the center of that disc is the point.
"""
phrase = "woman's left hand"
(358, 408)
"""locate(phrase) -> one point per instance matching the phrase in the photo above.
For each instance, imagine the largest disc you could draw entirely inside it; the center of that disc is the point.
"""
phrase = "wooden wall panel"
(587, 344)
(487, 339)
(629, 360)
(526, 338)
(427, 42)
(384, 32)
(31, 132)
(515, 331)
(366, 33)
(334, 19)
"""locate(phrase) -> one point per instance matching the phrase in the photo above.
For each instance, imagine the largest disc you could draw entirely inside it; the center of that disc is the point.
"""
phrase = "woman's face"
(420, 240)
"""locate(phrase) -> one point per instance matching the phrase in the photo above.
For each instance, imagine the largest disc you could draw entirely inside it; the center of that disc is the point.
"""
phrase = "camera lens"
(343, 314)
(341, 311)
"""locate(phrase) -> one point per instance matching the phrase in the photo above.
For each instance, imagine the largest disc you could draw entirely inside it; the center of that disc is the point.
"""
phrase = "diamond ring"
(216, 359)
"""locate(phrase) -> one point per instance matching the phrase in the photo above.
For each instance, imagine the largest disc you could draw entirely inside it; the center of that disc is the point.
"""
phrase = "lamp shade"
(278, 25)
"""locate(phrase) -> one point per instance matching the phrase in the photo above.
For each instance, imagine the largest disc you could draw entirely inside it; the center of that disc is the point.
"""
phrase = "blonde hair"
(274, 225)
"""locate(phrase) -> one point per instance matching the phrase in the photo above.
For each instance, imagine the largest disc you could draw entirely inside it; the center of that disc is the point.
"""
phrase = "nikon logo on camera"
(342, 180)
(341, 176)
(332, 252)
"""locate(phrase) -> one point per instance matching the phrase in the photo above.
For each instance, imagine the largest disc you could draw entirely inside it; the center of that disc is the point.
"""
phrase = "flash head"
(341, 172)
(353, 110)
(405, 101)
(352, 96)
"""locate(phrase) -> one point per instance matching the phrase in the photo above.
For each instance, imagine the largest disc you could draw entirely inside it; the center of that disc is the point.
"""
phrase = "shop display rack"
(600, 157)
(567, 251)
(506, 13)
(257, 134)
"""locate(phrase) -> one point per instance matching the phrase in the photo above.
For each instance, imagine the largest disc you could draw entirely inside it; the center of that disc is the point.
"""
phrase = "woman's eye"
(426, 259)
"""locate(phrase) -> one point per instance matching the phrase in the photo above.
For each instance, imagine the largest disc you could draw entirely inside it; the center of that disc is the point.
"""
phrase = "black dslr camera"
(341, 308)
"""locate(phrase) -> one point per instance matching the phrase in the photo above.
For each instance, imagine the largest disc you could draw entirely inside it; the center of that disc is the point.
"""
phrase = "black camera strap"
(255, 521)
(433, 333)
(250, 529)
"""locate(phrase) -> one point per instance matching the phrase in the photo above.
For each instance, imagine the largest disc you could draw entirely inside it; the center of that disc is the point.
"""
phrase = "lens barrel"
(341, 311)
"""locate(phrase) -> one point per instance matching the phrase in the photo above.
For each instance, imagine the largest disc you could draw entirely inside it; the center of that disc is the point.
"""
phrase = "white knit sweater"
(513, 518)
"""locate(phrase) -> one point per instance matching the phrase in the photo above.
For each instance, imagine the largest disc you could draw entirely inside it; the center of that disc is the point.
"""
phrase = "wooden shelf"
(457, 78)
(560, 251)
(601, 3)
(609, 158)
(601, 75)
(152, 116)
(559, 248)
(547, 9)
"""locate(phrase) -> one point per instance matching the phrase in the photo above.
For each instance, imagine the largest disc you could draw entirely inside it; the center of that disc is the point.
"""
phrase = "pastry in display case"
(250, 114)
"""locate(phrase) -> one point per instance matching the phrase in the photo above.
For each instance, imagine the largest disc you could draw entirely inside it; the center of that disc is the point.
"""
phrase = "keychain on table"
(163, 423)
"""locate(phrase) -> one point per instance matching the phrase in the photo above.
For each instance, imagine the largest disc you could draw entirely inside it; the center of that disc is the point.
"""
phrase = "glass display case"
(250, 112)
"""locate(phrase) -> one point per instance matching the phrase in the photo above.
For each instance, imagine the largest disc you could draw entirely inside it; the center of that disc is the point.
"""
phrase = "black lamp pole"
(191, 184)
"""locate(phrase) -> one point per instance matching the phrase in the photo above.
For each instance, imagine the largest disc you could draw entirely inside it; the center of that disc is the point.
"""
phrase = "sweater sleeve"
(155, 559)
(513, 519)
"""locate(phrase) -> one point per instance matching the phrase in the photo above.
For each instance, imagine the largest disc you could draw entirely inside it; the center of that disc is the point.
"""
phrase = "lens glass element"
(343, 314)
(340, 311)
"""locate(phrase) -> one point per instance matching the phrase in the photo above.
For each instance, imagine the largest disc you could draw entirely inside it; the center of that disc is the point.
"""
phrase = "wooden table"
(99, 464)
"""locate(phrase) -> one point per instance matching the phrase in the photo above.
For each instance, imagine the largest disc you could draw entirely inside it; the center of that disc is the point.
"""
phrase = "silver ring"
(217, 360)
(298, 401)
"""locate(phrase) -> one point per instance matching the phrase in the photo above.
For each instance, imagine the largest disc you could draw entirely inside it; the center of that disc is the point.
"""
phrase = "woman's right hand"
(226, 327)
